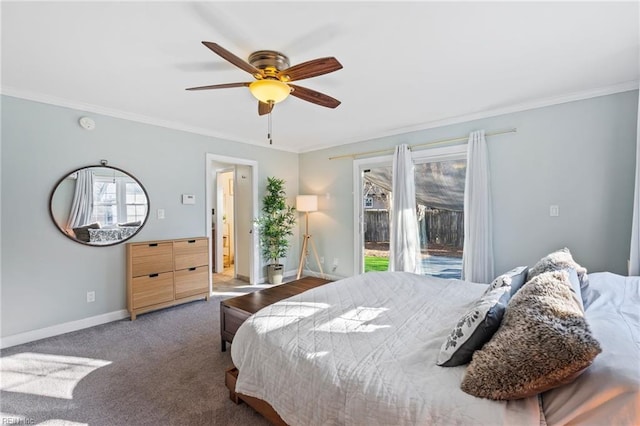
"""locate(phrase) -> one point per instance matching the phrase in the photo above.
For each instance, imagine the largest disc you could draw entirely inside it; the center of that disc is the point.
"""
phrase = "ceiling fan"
(273, 75)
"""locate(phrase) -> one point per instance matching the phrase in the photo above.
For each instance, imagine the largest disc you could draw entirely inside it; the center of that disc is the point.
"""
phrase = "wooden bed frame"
(259, 405)
(234, 311)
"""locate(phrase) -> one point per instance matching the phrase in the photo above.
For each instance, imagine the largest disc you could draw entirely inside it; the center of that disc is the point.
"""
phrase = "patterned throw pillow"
(474, 328)
(514, 278)
(104, 235)
(543, 342)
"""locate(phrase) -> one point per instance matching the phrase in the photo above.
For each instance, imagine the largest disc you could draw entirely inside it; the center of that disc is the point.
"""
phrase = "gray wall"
(45, 276)
(578, 155)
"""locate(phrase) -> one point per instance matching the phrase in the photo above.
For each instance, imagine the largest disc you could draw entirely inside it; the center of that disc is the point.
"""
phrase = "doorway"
(224, 256)
(232, 191)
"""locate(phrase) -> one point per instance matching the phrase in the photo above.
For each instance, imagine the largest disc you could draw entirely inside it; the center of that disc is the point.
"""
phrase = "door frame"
(209, 158)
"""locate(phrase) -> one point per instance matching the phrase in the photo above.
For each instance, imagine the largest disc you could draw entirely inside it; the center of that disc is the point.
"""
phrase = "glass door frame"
(454, 152)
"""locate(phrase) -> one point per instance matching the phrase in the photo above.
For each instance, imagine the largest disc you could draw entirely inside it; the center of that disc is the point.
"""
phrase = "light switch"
(554, 210)
(160, 213)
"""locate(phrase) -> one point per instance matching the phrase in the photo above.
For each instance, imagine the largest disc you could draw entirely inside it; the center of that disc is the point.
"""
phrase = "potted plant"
(275, 226)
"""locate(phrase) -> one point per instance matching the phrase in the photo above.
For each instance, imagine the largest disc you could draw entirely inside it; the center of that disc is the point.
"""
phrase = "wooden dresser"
(166, 273)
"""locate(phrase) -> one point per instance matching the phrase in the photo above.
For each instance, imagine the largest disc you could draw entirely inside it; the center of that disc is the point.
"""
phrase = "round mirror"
(99, 205)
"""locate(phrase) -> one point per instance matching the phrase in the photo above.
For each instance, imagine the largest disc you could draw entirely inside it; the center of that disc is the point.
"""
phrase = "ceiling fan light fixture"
(269, 90)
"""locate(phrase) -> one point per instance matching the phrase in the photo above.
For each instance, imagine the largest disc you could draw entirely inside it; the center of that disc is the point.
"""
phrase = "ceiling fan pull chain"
(269, 131)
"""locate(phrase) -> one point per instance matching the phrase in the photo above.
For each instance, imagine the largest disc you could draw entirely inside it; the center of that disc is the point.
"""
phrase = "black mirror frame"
(103, 165)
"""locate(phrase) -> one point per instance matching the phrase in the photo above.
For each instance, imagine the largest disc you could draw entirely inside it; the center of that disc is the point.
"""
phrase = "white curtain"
(82, 204)
(634, 259)
(404, 247)
(477, 257)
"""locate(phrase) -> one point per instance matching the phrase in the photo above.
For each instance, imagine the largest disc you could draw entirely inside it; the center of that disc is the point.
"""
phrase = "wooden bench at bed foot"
(259, 405)
(236, 310)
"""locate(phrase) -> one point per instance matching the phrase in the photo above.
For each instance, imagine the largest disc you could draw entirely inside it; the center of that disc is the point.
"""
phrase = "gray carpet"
(164, 368)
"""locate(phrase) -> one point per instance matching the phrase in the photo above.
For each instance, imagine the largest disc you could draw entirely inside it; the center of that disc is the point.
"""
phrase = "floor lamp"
(306, 204)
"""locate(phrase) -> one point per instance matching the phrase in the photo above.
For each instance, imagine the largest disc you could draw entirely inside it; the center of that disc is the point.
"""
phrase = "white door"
(243, 221)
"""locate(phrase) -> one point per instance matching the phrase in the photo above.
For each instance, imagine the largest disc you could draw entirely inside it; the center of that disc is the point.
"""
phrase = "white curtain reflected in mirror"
(99, 205)
(81, 206)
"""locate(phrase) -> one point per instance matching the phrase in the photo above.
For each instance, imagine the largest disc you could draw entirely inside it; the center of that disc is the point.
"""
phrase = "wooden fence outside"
(443, 227)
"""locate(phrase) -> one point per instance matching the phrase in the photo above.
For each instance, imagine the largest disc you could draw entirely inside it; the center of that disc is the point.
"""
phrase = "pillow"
(104, 235)
(82, 232)
(136, 223)
(474, 328)
(562, 259)
(128, 231)
(543, 342)
(574, 281)
(515, 278)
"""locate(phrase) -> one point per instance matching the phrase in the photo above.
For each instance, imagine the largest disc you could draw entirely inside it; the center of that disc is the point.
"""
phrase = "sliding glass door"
(439, 180)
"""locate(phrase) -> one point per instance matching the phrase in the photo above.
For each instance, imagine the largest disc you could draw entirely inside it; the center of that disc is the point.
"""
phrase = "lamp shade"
(269, 90)
(307, 203)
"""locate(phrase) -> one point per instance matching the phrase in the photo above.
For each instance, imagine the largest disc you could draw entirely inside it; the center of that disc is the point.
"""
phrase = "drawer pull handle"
(153, 275)
(191, 241)
(192, 269)
(153, 245)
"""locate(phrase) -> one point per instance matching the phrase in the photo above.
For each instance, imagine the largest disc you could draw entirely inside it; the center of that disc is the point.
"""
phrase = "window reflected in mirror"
(99, 205)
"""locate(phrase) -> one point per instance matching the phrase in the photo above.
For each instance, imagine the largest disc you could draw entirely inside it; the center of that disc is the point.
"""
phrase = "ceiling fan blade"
(310, 69)
(264, 108)
(313, 96)
(240, 63)
(220, 86)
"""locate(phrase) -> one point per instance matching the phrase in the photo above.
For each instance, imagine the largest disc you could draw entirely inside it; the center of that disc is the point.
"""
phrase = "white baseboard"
(67, 327)
(317, 274)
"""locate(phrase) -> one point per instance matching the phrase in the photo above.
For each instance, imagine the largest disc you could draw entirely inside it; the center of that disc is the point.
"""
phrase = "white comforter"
(362, 351)
(608, 393)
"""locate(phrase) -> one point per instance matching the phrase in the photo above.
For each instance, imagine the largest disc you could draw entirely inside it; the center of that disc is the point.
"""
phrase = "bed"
(365, 351)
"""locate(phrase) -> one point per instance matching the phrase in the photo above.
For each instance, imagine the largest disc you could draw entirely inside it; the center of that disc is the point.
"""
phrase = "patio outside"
(437, 260)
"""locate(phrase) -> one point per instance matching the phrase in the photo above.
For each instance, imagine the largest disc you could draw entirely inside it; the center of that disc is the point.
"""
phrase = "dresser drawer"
(190, 253)
(192, 281)
(151, 258)
(152, 289)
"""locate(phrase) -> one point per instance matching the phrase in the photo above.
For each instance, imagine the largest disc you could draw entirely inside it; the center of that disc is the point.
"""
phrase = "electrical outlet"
(160, 213)
(91, 296)
(554, 210)
(335, 264)
(322, 260)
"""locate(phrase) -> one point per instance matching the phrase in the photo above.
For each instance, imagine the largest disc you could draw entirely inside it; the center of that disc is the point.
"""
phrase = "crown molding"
(124, 115)
(524, 106)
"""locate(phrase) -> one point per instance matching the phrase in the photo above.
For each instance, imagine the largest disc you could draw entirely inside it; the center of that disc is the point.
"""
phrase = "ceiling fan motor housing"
(265, 59)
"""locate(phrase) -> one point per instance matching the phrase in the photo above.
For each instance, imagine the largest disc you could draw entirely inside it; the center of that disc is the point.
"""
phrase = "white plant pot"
(275, 273)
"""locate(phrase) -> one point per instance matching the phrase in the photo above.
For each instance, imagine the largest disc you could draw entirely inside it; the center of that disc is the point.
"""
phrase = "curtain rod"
(437, 142)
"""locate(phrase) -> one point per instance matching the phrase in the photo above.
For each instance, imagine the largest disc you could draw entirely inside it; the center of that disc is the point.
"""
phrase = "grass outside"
(375, 263)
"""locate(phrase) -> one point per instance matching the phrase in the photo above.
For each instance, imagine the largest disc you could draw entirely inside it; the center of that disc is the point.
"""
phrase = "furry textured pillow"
(543, 342)
(560, 259)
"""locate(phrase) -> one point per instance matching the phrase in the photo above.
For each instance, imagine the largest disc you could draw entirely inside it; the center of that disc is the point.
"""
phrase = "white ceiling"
(407, 66)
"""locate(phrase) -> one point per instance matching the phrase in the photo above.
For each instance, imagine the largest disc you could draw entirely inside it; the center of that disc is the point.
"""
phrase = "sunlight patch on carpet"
(55, 376)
